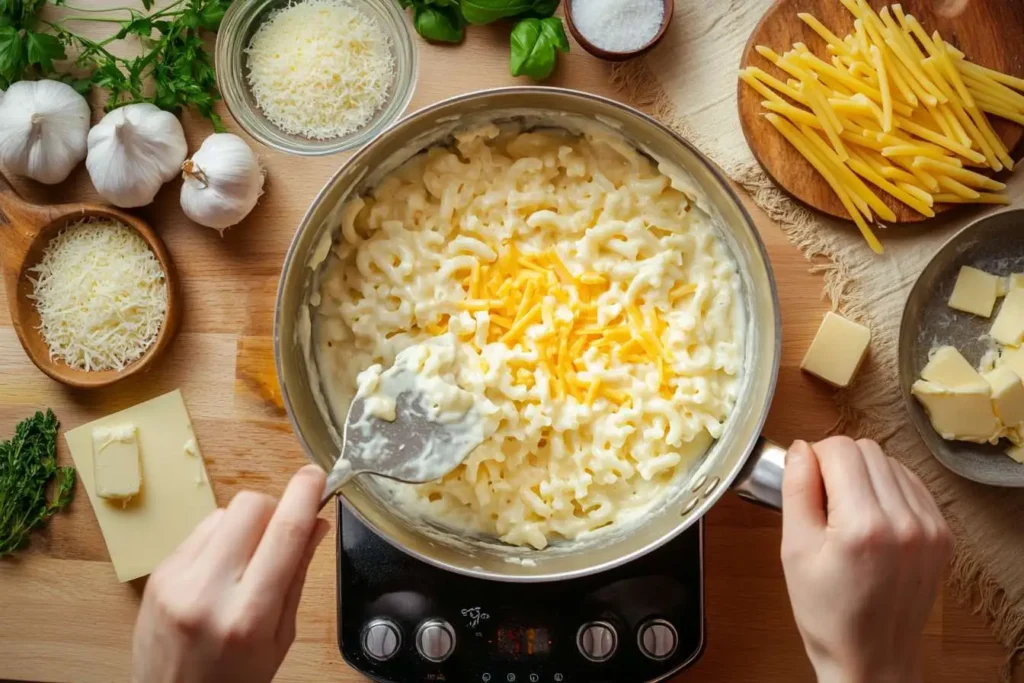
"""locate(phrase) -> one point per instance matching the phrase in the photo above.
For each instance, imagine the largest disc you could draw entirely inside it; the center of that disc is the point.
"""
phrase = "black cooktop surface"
(403, 621)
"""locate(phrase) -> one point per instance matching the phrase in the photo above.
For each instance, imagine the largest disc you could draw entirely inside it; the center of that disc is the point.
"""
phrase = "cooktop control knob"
(658, 639)
(435, 640)
(597, 641)
(381, 639)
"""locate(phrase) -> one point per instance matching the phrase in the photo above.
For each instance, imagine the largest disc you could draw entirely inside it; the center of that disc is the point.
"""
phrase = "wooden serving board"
(64, 616)
(989, 32)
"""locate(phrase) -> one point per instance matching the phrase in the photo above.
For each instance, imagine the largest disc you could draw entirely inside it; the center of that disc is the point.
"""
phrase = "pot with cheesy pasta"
(583, 287)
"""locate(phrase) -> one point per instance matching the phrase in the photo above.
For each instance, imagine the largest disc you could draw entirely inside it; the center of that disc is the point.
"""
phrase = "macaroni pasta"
(592, 310)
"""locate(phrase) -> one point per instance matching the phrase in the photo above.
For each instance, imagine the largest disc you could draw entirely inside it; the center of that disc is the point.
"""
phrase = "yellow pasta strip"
(851, 82)
(949, 70)
(563, 273)
(996, 92)
(940, 121)
(595, 386)
(796, 139)
(826, 35)
(502, 321)
(921, 177)
(905, 84)
(853, 183)
(824, 111)
(861, 167)
(912, 151)
(998, 110)
(593, 279)
(916, 191)
(958, 130)
(982, 198)
(883, 82)
(895, 39)
(885, 169)
(969, 178)
(796, 115)
(526, 301)
(959, 189)
(613, 395)
(767, 79)
(978, 70)
(474, 281)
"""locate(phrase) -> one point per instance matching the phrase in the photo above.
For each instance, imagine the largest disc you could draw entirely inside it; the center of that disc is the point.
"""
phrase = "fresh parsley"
(175, 70)
(28, 463)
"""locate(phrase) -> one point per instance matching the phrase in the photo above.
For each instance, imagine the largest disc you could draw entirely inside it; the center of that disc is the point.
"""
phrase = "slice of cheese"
(174, 499)
(959, 413)
(115, 457)
(974, 292)
(837, 351)
(948, 367)
(1007, 396)
(1008, 328)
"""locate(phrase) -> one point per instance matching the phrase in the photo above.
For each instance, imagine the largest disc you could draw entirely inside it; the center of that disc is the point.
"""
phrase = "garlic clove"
(222, 182)
(43, 129)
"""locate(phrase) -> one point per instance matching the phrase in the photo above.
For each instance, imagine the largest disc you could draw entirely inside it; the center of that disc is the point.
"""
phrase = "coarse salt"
(618, 25)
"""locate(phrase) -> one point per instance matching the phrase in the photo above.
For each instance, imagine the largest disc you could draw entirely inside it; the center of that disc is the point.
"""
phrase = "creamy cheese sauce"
(593, 311)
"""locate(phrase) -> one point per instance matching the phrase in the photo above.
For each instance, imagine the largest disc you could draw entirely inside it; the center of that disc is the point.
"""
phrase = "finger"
(848, 488)
(923, 496)
(277, 559)
(192, 547)
(887, 489)
(803, 494)
(239, 533)
(290, 609)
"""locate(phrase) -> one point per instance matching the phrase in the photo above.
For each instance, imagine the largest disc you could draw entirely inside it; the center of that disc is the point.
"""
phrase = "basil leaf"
(488, 11)
(439, 23)
(535, 44)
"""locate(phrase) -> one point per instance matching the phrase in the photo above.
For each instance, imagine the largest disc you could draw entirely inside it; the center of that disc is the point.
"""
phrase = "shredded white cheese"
(101, 295)
(320, 68)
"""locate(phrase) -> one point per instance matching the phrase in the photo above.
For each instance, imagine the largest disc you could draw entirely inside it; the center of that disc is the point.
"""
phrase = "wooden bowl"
(25, 230)
(987, 31)
(618, 56)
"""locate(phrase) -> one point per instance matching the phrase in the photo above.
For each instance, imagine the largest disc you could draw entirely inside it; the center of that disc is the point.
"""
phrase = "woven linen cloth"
(689, 82)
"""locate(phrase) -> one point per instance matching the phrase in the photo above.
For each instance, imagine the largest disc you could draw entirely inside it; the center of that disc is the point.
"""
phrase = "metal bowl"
(992, 244)
(696, 491)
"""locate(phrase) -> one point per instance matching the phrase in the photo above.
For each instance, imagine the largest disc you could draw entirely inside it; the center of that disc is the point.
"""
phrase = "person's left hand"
(222, 607)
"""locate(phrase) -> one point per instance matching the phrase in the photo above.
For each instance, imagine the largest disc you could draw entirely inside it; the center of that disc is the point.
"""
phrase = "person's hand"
(863, 549)
(222, 606)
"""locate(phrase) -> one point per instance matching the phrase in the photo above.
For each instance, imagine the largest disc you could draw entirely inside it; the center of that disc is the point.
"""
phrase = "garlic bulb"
(43, 127)
(133, 151)
(223, 181)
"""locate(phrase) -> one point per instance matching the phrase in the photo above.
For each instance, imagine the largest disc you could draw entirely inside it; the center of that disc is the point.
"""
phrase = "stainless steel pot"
(739, 458)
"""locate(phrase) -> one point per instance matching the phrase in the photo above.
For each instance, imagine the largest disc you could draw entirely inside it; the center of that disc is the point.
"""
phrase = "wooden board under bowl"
(988, 32)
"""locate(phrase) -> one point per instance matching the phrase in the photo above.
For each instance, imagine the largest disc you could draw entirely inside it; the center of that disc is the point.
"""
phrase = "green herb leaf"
(28, 463)
(488, 11)
(43, 48)
(11, 52)
(535, 44)
(439, 23)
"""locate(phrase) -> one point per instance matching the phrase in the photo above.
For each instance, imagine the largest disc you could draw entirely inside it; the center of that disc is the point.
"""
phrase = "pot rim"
(708, 500)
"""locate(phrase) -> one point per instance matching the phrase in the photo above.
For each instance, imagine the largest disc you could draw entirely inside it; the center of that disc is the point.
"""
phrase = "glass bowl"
(236, 30)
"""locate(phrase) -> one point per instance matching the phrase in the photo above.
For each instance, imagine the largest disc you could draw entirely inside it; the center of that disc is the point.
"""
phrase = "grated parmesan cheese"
(101, 295)
(320, 68)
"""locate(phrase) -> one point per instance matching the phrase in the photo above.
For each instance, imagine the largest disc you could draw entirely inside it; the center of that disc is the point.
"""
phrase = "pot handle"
(760, 480)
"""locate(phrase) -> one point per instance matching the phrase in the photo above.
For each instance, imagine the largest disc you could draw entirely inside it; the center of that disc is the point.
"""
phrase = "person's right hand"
(863, 549)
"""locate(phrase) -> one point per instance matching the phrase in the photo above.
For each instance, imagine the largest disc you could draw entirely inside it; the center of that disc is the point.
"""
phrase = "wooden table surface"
(64, 616)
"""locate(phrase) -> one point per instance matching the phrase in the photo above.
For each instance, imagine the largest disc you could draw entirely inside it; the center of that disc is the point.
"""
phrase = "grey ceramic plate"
(994, 244)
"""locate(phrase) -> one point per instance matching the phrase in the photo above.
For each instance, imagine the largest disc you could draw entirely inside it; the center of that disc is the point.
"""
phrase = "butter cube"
(1013, 359)
(1017, 453)
(948, 367)
(1017, 281)
(837, 351)
(975, 292)
(959, 413)
(115, 452)
(1009, 325)
(1007, 395)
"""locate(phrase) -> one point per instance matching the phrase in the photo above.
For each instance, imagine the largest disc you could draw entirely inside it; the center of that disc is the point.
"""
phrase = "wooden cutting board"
(63, 615)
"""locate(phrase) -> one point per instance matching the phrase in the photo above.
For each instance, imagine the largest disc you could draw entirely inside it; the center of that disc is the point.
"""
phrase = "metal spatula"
(414, 447)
